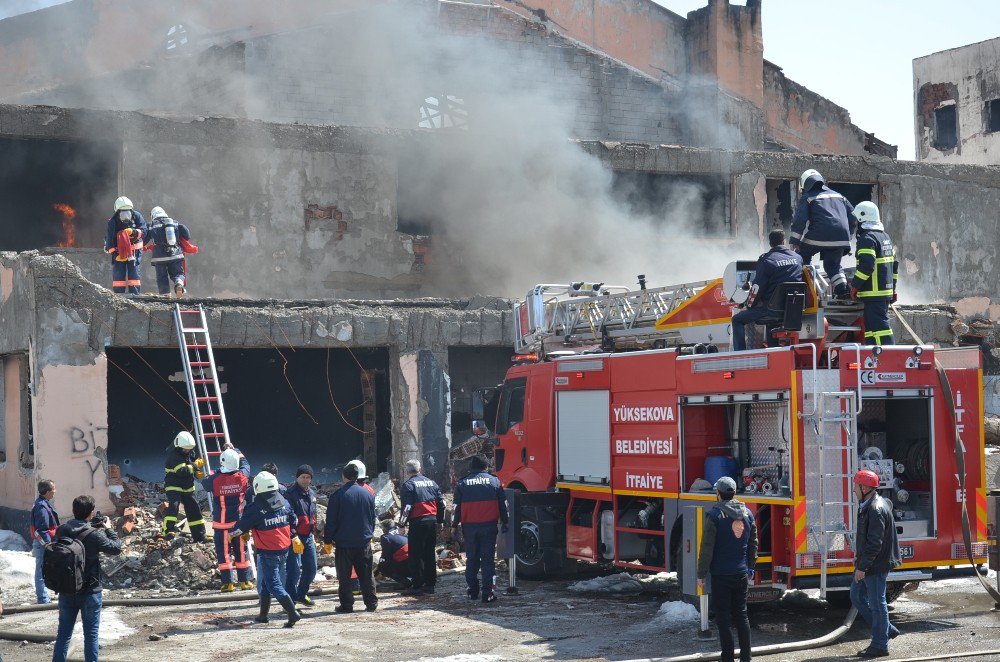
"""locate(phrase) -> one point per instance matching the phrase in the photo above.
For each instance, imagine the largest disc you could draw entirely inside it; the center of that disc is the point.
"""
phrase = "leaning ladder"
(211, 432)
(837, 434)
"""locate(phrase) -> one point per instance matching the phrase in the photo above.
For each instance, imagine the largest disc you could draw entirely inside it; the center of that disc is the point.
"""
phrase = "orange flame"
(68, 224)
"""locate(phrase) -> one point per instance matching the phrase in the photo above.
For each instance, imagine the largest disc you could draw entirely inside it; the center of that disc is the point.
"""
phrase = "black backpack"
(63, 563)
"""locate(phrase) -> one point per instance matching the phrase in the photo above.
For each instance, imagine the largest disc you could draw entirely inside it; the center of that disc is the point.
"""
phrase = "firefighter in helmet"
(877, 555)
(123, 242)
(875, 277)
(823, 224)
(182, 468)
(170, 241)
(778, 265)
(228, 488)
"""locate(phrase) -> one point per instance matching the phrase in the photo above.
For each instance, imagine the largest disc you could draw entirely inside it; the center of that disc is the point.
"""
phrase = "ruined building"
(957, 101)
(365, 179)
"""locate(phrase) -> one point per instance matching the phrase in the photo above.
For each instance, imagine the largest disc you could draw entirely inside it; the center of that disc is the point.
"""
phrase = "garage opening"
(55, 193)
(335, 410)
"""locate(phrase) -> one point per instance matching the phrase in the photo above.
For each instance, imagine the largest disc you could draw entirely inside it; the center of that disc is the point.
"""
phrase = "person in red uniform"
(423, 511)
(394, 563)
(228, 487)
(479, 502)
(44, 522)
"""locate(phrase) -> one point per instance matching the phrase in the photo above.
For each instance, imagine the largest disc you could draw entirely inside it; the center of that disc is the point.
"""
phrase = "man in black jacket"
(876, 555)
(350, 523)
(97, 537)
(778, 265)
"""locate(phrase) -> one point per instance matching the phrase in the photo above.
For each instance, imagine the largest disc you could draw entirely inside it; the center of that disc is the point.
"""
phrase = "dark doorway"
(470, 368)
(854, 193)
(55, 193)
(946, 127)
(266, 420)
(780, 204)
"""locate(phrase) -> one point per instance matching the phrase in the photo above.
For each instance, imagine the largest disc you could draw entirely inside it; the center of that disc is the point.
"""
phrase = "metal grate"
(769, 430)
(753, 362)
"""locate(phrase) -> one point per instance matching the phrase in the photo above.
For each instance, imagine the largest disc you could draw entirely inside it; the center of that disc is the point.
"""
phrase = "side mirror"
(479, 429)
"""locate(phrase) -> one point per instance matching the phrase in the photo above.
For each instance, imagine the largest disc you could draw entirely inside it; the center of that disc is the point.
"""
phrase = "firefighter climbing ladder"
(202, 378)
(837, 432)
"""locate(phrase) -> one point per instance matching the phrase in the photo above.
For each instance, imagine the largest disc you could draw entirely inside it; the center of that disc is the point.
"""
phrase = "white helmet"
(229, 460)
(868, 216)
(157, 213)
(184, 440)
(806, 176)
(122, 204)
(265, 482)
(360, 467)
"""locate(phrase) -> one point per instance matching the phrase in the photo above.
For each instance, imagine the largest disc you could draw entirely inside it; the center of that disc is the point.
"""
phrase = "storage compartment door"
(582, 436)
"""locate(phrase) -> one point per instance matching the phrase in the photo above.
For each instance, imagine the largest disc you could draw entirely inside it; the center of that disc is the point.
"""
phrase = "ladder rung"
(204, 381)
(838, 329)
(213, 452)
(835, 419)
(193, 330)
(207, 416)
(836, 475)
(200, 364)
(210, 398)
(213, 434)
(195, 346)
(837, 503)
(190, 312)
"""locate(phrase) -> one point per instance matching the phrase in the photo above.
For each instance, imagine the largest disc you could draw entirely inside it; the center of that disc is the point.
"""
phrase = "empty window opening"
(16, 433)
(55, 193)
(419, 190)
(445, 111)
(471, 368)
(993, 116)
(349, 401)
(855, 193)
(946, 127)
(780, 204)
(698, 203)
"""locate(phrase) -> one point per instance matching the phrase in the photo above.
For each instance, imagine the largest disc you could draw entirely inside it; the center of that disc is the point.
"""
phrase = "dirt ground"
(545, 621)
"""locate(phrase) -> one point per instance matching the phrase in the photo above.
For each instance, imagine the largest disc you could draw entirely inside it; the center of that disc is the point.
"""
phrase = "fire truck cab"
(615, 453)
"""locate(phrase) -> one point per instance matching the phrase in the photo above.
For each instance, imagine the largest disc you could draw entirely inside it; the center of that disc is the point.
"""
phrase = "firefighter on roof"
(479, 502)
(123, 241)
(423, 512)
(823, 224)
(729, 552)
(228, 487)
(170, 241)
(875, 277)
(778, 265)
(181, 468)
(269, 518)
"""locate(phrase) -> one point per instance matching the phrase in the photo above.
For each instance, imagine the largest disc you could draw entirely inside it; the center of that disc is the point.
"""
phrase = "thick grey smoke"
(508, 196)
(10, 8)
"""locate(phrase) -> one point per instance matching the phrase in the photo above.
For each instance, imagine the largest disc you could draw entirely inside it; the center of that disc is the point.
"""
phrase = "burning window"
(56, 193)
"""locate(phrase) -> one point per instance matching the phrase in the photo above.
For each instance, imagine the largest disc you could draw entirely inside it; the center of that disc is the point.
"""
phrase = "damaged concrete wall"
(967, 79)
(67, 322)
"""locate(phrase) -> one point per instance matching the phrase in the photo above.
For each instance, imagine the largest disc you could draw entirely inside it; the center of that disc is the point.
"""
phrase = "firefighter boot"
(293, 615)
(246, 586)
(228, 588)
(265, 607)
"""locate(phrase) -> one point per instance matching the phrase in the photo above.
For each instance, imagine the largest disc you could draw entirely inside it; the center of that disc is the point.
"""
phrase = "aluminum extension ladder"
(837, 418)
(211, 432)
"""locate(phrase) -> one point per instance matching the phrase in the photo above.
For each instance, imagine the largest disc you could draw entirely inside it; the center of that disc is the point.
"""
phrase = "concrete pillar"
(421, 412)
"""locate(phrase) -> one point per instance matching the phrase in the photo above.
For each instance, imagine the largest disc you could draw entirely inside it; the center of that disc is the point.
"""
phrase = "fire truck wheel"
(530, 559)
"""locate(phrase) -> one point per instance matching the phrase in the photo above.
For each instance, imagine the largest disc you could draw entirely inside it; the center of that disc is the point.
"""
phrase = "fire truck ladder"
(587, 313)
(211, 432)
(835, 421)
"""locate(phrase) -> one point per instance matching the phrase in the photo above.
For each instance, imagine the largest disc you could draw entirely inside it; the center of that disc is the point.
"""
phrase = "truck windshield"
(511, 405)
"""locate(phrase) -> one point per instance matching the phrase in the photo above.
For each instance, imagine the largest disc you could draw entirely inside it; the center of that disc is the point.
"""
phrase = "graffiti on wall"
(89, 444)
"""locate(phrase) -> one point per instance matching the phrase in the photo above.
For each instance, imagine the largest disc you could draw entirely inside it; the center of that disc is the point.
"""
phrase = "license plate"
(906, 551)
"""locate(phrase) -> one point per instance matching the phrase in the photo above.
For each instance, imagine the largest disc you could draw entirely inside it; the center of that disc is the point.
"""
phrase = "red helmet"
(867, 478)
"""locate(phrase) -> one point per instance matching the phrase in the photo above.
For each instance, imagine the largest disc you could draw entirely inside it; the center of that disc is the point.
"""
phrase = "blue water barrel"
(718, 466)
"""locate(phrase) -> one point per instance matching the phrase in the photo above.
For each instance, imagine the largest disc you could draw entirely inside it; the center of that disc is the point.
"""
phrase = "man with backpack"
(72, 568)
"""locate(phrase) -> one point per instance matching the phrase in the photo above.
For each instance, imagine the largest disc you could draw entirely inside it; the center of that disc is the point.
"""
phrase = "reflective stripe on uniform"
(878, 335)
(199, 522)
(861, 275)
(119, 283)
(171, 488)
(827, 244)
(867, 251)
(177, 468)
(134, 283)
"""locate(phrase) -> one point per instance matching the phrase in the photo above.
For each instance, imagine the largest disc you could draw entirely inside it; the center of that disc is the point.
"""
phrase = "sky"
(859, 53)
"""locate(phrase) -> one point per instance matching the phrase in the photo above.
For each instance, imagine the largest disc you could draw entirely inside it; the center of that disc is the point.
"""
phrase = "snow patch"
(620, 583)
(13, 542)
(462, 657)
(17, 576)
(674, 614)
(112, 629)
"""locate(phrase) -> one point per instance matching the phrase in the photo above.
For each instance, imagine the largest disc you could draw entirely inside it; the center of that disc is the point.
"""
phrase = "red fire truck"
(621, 411)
